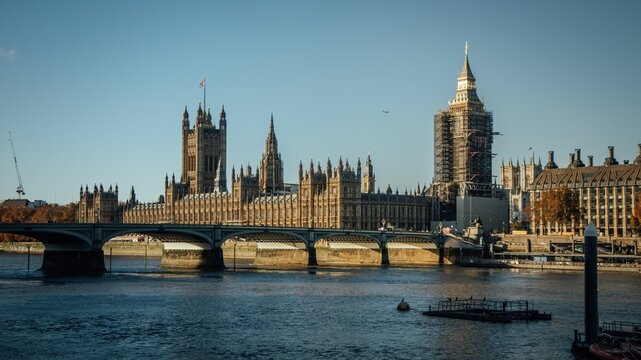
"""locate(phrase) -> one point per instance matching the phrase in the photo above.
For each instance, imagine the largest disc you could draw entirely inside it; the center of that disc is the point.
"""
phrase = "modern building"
(339, 196)
(517, 181)
(607, 193)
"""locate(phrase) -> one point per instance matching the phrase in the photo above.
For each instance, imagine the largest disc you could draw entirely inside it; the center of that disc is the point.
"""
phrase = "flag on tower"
(202, 83)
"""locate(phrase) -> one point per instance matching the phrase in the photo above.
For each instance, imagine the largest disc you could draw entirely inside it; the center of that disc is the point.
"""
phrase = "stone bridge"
(77, 248)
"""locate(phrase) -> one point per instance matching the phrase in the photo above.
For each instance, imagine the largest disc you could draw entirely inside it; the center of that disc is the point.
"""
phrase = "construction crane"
(19, 189)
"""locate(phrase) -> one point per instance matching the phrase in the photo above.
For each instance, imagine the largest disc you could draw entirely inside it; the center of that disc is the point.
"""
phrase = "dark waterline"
(139, 311)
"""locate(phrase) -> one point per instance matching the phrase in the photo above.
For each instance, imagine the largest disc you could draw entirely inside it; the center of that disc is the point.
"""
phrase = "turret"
(185, 119)
(637, 161)
(222, 123)
(368, 179)
(218, 177)
(200, 115)
(271, 165)
(132, 196)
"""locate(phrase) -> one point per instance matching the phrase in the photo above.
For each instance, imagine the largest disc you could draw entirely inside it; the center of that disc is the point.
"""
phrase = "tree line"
(42, 214)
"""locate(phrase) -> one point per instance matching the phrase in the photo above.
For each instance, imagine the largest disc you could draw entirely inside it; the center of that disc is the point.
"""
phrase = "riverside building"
(607, 193)
(341, 196)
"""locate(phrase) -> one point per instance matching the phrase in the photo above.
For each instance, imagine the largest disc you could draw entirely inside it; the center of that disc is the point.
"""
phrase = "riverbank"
(547, 265)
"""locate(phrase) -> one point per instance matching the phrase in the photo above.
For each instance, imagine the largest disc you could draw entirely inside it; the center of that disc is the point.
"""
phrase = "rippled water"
(139, 311)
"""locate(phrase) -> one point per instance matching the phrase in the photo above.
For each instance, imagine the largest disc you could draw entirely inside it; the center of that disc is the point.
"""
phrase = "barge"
(501, 311)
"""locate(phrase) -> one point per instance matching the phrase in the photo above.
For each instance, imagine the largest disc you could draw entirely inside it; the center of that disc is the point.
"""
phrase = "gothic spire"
(222, 123)
(466, 88)
(185, 119)
(271, 144)
(466, 71)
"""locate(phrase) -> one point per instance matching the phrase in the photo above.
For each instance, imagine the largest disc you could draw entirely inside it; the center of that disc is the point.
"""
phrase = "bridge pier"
(73, 262)
(311, 256)
(192, 258)
(384, 254)
(441, 255)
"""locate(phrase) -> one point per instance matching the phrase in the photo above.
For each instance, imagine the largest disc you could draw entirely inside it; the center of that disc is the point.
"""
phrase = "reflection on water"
(139, 311)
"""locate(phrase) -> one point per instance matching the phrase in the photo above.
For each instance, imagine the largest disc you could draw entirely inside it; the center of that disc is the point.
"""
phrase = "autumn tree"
(559, 206)
(43, 214)
(55, 213)
(636, 218)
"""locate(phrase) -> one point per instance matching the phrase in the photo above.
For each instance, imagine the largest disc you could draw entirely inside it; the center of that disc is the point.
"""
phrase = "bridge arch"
(55, 239)
(260, 248)
(162, 234)
(348, 249)
(254, 232)
(413, 238)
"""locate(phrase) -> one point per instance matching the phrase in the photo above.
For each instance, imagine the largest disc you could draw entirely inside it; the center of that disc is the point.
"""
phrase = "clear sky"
(93, 91)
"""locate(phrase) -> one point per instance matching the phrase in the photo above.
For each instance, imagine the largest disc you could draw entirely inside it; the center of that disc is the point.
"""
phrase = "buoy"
(403, 306)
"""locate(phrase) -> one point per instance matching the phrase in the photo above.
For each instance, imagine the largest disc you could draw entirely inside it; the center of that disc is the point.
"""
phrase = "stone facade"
(463, 137)
(100, 206)
(607, 194)
(517, 181)
(334, 197)
(204, 152)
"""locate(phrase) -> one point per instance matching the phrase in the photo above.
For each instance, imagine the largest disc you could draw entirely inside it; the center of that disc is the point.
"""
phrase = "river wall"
(115, 248)
(541, 243)
(272, 254)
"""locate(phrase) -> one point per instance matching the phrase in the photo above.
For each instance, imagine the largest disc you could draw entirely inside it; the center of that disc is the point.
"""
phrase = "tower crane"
(19, 189)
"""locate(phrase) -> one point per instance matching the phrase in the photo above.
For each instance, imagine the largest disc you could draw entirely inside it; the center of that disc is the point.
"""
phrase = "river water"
(141, 311)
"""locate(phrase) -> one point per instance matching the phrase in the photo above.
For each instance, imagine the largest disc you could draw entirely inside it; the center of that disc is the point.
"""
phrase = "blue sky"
(94, 91)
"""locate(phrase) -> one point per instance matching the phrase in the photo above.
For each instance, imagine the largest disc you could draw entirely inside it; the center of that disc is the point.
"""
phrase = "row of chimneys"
(575, 159)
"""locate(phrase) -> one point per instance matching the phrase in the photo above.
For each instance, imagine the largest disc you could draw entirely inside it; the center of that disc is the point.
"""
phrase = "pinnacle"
(466, 71)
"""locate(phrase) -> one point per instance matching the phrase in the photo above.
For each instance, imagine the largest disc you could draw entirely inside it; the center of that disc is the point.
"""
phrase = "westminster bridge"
(78, 248)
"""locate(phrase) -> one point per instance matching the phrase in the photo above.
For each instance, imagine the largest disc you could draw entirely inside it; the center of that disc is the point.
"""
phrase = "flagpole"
(205, 94)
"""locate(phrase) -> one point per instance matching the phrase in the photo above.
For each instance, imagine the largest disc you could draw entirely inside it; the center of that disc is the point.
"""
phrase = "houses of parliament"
(329, 196)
